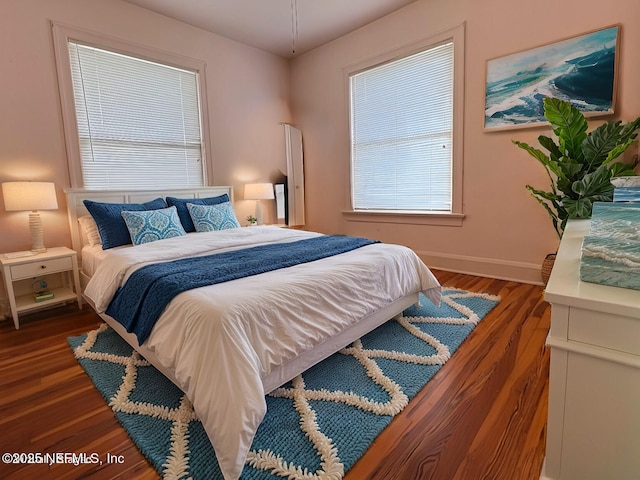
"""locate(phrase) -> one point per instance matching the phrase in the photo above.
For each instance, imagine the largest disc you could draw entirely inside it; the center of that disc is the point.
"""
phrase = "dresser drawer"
(35, 269)
(605, 330)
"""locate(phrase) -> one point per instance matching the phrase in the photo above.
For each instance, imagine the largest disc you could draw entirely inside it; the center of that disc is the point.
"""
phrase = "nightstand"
(17, 272)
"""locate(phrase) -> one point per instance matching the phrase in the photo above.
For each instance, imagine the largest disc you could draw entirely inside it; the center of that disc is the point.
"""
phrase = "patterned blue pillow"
(183, 211)
(213, 217)
(113, 230)
(153, 225)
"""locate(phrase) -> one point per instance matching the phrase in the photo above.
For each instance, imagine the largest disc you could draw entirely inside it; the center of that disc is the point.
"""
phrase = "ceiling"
(271, 25)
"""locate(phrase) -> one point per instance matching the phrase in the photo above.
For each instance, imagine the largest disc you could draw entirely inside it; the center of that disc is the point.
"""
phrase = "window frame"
(62, 34)
(455, 217)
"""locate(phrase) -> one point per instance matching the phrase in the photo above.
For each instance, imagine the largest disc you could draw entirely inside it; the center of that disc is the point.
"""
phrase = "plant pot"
(547, 266)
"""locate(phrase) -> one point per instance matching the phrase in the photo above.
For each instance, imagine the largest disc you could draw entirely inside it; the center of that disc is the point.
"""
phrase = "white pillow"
(90, 230)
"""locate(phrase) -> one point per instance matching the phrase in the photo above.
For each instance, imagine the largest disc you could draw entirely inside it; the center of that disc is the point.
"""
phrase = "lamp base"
(37, 233)
(259, 212)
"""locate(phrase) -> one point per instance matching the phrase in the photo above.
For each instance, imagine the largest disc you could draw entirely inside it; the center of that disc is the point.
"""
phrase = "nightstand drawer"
(35, 269)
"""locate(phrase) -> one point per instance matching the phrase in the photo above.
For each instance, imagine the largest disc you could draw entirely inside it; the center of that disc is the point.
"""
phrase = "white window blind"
(138, 121)
(402, 133)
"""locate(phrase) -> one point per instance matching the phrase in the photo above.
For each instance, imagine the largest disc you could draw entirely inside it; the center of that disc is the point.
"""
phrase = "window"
(404, 143)
(136, 121)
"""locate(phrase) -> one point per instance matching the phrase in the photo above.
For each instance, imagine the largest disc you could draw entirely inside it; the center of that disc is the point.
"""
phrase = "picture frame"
(581, 69)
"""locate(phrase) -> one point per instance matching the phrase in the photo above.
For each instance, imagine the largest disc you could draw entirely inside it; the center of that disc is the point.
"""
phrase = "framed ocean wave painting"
(581, 70)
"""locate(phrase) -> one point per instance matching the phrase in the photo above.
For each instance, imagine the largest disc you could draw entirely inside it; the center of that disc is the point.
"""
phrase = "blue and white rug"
(316, 426)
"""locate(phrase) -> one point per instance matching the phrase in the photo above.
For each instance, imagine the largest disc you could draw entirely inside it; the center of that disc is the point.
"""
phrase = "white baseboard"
(484, 267)
(542, 473)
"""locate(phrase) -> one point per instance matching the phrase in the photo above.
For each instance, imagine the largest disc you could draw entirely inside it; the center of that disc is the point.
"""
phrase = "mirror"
(294, 187)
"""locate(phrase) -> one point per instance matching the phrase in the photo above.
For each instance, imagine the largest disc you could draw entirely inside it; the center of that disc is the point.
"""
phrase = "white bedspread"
(221, 340)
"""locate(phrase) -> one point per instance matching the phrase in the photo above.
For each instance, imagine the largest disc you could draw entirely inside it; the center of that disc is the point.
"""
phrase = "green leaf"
(627, 136)
(617, 151)
(541, 196)
(534, 152)
(570, 168)
(597, 182)
(563, 216)
(550, 167)
(564, 185)
(619, 169)
(550, 145)
(580, 208)
(600, 142)
(569, 125)
(629, 130)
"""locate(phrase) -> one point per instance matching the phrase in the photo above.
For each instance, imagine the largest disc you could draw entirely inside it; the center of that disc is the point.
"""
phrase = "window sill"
(410, 218)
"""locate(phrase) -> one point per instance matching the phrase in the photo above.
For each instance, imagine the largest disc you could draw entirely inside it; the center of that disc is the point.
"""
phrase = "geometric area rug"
(316, 426)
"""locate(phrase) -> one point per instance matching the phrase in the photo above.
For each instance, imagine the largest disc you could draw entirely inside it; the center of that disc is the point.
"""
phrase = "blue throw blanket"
(140, 301)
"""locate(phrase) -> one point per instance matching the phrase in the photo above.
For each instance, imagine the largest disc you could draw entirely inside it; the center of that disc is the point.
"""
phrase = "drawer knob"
(43, 266)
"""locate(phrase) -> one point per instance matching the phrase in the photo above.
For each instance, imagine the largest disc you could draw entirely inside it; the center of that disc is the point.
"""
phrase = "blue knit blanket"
(137, 305)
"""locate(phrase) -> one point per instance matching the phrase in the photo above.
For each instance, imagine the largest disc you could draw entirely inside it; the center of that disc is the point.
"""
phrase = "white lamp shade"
(33, 196)
(258, 191)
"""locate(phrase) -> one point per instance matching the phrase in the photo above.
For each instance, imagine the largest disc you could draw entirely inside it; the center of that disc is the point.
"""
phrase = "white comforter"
(221, 341)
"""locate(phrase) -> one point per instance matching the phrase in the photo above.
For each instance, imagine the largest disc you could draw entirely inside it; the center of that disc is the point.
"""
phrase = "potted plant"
(252, 220)
(580, 165)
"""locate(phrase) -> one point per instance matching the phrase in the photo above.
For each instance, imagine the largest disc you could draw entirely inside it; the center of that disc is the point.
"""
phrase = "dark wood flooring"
(482, 416)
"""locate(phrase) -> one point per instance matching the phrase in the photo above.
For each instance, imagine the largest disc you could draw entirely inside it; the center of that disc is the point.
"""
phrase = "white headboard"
(76, 196)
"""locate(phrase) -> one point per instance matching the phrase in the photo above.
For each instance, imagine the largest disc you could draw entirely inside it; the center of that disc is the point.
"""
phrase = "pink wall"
(247, 92)
(505, 233)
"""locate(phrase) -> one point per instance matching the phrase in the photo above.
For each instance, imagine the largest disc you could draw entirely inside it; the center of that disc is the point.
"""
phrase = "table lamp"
(258, 192)
(34, 196)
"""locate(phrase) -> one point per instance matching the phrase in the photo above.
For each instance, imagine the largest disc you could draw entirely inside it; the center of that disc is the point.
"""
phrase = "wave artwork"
(580, 70)
(611, 250)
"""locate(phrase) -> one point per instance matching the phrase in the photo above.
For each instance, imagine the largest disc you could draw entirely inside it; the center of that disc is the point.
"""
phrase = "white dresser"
(594, 383)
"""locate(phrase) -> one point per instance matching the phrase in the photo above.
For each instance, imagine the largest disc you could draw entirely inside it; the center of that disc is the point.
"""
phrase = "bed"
(227, 345)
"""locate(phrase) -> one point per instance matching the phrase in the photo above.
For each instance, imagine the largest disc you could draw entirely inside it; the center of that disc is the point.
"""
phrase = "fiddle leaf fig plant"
(579, 164)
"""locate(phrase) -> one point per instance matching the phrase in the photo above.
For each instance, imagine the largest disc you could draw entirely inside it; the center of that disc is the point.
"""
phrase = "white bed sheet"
(92, 255)
(221, 340)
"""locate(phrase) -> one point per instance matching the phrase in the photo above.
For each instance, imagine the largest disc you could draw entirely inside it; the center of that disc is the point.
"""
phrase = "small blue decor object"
(626, 194)
(627, 189)
(611, 250)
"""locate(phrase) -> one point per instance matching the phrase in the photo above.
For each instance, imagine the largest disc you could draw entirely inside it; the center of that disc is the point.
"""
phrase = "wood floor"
(482, 416)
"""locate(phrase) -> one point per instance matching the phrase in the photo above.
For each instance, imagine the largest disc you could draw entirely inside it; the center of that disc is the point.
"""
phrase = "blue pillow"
(183, 212)
(153, 225)
(113, 230)
(207, 218)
